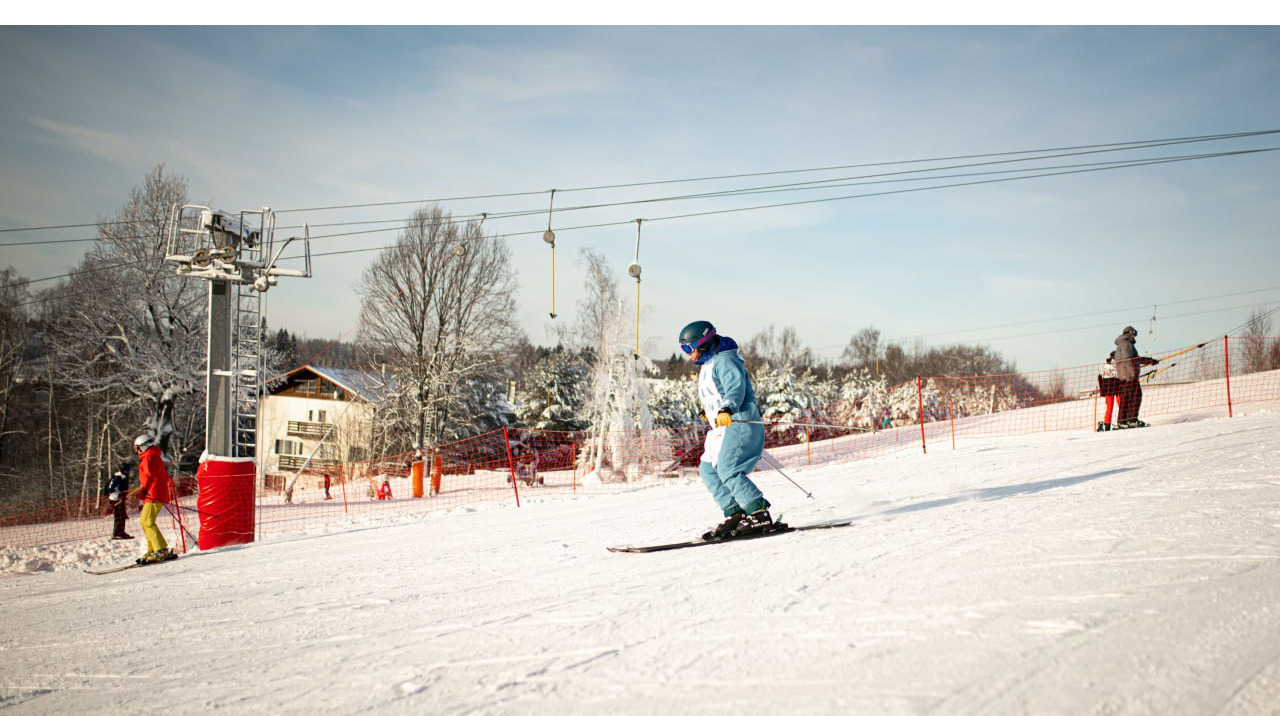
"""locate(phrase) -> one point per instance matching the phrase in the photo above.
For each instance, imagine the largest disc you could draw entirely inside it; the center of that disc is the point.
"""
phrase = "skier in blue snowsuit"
(736, 440)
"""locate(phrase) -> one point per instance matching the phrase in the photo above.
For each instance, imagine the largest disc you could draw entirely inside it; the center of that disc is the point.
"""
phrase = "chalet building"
(318, 413)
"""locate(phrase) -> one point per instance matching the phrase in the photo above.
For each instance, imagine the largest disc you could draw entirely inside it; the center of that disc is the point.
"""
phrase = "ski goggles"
(689, 348)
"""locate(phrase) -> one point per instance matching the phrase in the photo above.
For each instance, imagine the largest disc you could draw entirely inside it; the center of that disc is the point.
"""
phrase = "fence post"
(920, 414)
(416, 469)
(511, 465)
(808, 446)
(951, 413)
(437, 472)
(573, 462)
(1226, 357)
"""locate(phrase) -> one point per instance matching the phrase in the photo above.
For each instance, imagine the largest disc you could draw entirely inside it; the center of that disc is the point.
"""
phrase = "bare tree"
(13, 333)
(437, 307)
(864, 350)
(780, 350)
(125, 330)
(1259, 353)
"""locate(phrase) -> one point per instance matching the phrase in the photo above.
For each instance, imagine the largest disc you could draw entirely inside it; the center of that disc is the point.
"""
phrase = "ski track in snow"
(1132, 572)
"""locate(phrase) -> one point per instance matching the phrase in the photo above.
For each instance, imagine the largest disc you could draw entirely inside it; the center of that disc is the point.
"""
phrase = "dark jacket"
(119, 484)
(1128, 362)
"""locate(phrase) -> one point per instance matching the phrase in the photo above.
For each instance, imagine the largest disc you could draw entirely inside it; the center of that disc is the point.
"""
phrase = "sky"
(377, 120)
(1130, 572)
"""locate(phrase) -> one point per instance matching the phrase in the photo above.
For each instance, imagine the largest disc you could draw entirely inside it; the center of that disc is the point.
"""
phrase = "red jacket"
(153, 479)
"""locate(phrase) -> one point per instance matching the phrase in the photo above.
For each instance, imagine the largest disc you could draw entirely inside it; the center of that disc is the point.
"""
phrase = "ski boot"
(756, 522)
(725, 529)
(158, 556)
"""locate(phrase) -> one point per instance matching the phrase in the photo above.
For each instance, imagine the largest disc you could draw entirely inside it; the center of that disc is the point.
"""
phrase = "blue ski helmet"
(696, 335)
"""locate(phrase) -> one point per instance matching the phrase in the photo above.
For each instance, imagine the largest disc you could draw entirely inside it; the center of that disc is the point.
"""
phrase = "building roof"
(370, 387)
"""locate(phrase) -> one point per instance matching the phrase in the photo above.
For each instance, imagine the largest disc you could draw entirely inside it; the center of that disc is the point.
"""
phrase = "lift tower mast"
(237, 255)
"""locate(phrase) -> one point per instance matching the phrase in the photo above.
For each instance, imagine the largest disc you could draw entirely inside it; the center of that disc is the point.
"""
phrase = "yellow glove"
(723, 419)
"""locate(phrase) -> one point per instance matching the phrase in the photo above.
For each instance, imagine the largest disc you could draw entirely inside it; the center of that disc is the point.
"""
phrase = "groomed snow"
(1133, 572)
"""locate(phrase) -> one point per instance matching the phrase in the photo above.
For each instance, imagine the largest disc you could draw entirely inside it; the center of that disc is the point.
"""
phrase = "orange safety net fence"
(514, 465)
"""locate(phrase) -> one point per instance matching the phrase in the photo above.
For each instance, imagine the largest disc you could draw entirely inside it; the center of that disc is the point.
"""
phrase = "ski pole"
(181, 526)
(772, 462)
(197, 511)
(803, 424)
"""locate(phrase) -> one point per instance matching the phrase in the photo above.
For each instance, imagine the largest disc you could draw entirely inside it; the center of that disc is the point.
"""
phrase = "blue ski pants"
(728, 479)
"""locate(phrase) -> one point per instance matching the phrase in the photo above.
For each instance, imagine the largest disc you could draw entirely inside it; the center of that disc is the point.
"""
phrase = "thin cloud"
(96, 142)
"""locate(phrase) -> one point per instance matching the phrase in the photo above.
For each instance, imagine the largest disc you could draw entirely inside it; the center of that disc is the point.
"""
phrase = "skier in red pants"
(1108, 388)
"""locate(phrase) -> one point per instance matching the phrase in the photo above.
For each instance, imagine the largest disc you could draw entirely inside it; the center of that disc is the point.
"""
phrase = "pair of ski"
(123, 567)
(824, 525)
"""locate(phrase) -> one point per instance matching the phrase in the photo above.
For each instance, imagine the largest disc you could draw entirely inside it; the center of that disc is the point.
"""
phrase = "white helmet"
(144, 442)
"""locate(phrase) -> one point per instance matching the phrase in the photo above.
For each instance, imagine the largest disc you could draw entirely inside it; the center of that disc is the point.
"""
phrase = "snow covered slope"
(1133, 572)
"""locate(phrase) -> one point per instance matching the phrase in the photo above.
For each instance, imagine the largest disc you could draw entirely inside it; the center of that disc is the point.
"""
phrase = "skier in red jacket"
(153, 491)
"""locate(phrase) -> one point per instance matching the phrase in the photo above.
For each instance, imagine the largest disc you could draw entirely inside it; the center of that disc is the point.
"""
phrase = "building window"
(288, 447)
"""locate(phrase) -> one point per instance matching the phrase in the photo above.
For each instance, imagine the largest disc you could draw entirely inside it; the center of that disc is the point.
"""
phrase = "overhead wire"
(1079, 315)
(1072, 169)
(1093, 149)
(1058, 171)
(1047, 153)
(1115, 146)
(1093, 326)
(1104, 325)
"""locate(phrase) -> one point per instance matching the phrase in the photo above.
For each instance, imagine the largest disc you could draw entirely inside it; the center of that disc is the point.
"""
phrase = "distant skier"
(118, 495)
(1128, 363)
(153, 491)
(736, 440)
(1108, 388)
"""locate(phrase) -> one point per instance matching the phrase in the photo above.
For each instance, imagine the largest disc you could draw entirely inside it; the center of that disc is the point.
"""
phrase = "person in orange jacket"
(153, 492)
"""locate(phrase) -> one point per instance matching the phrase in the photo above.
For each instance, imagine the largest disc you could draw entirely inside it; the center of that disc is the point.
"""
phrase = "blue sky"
(294, 118)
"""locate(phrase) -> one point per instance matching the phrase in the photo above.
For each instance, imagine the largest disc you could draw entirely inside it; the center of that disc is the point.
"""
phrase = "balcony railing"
(306, 429)
(293, 462)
